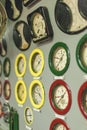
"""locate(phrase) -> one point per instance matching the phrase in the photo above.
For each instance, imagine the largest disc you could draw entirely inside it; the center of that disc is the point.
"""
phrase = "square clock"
(29, 2)
(40, 25)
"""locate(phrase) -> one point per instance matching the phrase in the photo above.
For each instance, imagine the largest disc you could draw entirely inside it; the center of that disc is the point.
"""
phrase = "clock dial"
(28, 114)
(59, 58)
(60, 97)
(20, 65)
(20, 92)
(0, 68)
(36, 62)
(0, 88)
(36, 94)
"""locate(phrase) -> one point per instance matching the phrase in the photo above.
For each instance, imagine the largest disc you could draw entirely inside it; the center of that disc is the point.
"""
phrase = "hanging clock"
(0, 88)
(20, 65)
(58, 124)
(7, 67)
(22, 35)
(7, 90)
(36, 62)
(0, 68)
(36, 94)
(59, 58)
(29, 2)
(81, 53)
(13, 9)
(71, 17)
(20, 92)
(3, 20)
(60, 97)
(28, 115)
(3, 47)
(82, 99)
(41, 28)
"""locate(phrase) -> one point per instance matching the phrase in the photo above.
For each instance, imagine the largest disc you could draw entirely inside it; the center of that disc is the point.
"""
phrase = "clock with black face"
(41, 28)
(30, 2)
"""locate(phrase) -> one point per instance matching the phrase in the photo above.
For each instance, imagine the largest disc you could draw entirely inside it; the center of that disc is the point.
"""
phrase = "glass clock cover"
(60, 97)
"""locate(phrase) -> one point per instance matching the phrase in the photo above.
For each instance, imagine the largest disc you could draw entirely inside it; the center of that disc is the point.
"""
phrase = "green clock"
(59, 58)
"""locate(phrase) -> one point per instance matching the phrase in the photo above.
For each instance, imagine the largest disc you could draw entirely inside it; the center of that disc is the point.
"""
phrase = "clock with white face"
(60, 97)
(59, 58)
(81, 53)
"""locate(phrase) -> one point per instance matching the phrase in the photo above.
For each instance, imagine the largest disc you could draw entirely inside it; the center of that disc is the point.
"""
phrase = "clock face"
(20, 92)
(0, 68)
(36, 62)
(7, 90)
(59, 58)
(58, 124)
(21, 35)
(20, 65)
(40, 25)
(7, 67)
(81, 53)
(82, 99)
(60, 97)
(36, 94)
(28, 114)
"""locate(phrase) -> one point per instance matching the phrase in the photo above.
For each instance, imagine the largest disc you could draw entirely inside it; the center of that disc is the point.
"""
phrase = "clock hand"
(59, 60)
(61, 97)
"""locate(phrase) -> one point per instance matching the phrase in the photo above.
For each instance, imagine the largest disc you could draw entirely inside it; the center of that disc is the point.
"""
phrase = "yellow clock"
(36, 94)
(36, 62)
(20, 65)
(20, 92)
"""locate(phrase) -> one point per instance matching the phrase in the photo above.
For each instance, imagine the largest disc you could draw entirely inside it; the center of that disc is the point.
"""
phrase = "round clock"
(36, 94)
(7, 67)
(20, 65)
(28, 115)
(0, 88)
(60, 97)
(20, 92)
(36, 62)
(59, 58)
(0, 68)
(21, 35)
(58, 124)
(81, 53)
(82, 99)
(7, 90)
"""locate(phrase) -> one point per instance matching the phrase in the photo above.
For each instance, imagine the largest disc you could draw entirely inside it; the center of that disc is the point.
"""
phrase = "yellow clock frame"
(28, 115)
(37, 106)
(21, 55)
(36, 51)
(21, 102)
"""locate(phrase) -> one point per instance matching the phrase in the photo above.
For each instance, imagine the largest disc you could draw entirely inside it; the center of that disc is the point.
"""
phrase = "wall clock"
(7, 67)
(36, 62)
(0, 68)
(0, 88)
(13, 9)
(60, 97)
(28, 115)
(82, 99)
(36, 94)
(81, 53)
(3, 47)
(39, 22)
(20, 92)
(7, 90)
(20, 65)
(29, 2)
(22, 35)
(58, 124)
(71, 17)
(59, 58)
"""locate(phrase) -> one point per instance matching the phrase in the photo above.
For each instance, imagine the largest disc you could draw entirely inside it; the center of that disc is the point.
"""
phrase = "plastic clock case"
(7, 67)
(60, 97)
(14, 9)
(22, 35)
(20, 92)
(81, 53)
(59, 58)
(71, 17)
(7, 90)
(40, 25)
(3, 47)
(36, 94)
(30, 3)
(82, 99)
